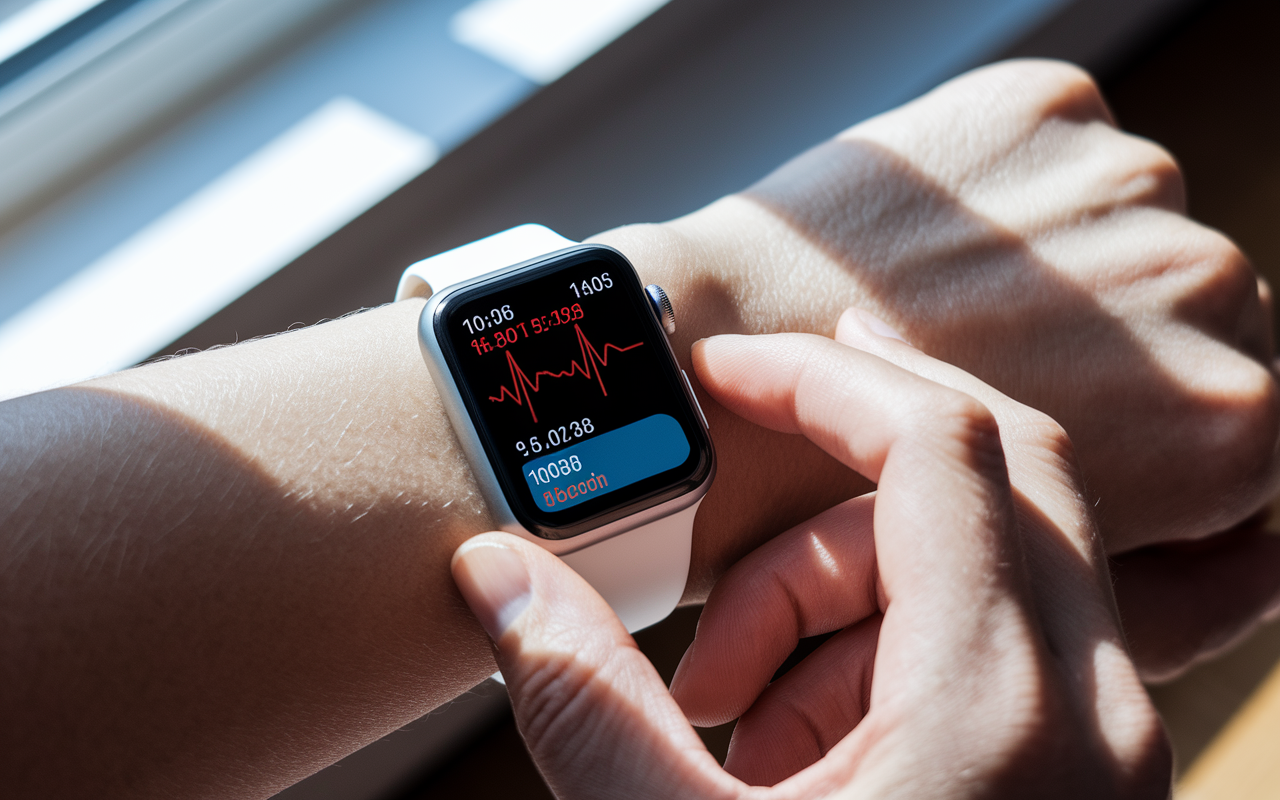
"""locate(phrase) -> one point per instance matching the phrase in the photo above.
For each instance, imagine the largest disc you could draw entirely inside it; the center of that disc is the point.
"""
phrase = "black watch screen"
(573, 390)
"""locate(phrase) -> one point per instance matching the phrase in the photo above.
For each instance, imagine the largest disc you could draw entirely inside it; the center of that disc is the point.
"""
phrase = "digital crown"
(662, 307)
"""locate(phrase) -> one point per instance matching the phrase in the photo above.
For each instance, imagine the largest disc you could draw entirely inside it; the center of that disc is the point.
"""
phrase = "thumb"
(593, 711)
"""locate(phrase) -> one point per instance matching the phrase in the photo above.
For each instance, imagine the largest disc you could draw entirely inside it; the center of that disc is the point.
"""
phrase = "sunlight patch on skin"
(1123, 716)
(826, 560)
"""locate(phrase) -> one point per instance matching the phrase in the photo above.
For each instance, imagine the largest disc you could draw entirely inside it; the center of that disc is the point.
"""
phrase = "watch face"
(574, 393)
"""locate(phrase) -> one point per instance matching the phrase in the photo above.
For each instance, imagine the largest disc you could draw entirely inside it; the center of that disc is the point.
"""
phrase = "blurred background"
(179, 174)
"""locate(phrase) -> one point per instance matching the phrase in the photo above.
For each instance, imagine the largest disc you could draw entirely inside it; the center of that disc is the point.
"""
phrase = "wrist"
(733, 267)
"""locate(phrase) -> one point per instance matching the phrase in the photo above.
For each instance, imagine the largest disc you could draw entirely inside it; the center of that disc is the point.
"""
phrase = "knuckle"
(1230, 427)
(793, 719)
(1220, 280)
(1027, 93)
(966, 419)
(1058, 88)
(765, 589)
(553, 697)
(1153, 157)
(1073, 88)
(1249, 426)
(1146, 172)
(1209, 245)
(1043, 433)
(1225, 266)
(961, 422)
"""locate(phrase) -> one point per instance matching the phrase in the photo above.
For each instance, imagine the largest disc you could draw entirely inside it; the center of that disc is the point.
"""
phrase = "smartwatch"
(584, 434)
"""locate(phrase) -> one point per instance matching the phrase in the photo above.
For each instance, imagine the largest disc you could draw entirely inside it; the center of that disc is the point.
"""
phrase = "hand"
(999, 221)
(979, 657)
(1004, 225)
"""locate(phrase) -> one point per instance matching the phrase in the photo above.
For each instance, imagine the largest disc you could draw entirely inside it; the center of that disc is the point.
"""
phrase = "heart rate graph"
(589, 368)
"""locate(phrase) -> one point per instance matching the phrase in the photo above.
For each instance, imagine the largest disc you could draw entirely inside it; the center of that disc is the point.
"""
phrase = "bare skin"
(208, 557)
(979, 654)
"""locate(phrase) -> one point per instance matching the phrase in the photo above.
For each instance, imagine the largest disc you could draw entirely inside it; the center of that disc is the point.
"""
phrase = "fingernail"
(716, 338)
(878, 326)
(719, 338)
(495, 583)
(697, 347)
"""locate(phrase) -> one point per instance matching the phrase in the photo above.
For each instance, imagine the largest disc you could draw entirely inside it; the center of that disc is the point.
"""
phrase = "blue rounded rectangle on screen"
(607, 462)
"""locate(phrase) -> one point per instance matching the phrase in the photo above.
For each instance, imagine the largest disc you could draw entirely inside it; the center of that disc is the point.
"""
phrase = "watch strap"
(521, 243)
(641, 573)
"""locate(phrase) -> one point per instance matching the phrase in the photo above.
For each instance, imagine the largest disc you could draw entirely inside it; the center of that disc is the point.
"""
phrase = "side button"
(694, 395)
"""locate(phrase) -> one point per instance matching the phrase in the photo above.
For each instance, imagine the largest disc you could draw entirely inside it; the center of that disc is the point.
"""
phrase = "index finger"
(944, 506)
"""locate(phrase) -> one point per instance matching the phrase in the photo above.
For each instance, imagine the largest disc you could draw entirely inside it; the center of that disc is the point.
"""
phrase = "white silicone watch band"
(642, 572)
(504, 249)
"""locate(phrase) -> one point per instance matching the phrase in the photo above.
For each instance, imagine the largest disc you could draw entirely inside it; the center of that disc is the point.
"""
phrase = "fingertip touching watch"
(583, 432)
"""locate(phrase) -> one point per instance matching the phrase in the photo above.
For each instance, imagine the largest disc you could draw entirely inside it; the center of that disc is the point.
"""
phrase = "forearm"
(206, 557)
(210, 557)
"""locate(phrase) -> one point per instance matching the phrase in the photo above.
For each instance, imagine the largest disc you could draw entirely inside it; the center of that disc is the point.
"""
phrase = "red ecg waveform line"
(590, 356)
